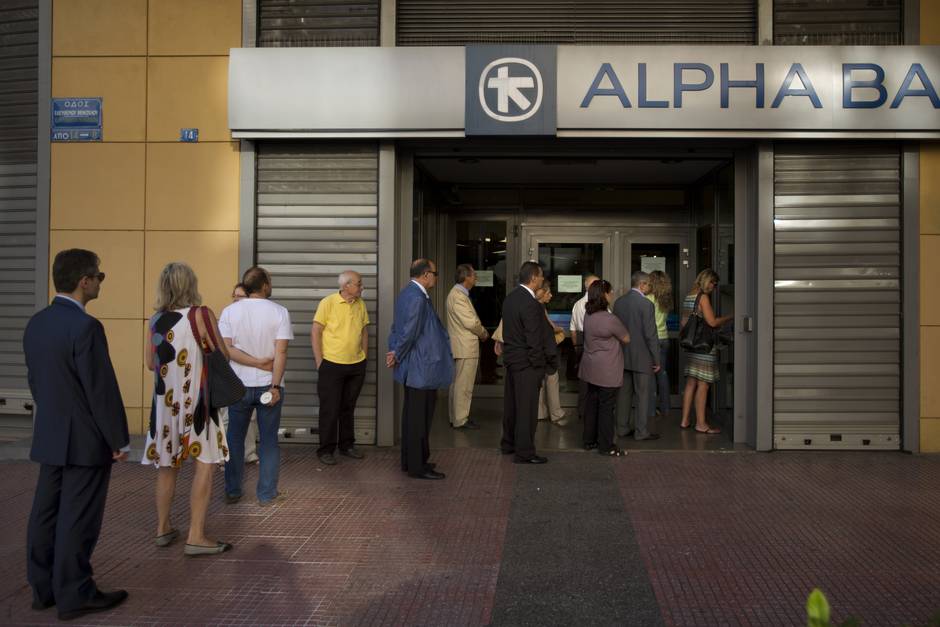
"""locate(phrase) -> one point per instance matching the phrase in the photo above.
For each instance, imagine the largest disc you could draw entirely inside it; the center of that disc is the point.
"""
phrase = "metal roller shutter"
(838, 22)
(287, 23)
(837, 296)
(19, 36)
(458, 22)
(317, 216)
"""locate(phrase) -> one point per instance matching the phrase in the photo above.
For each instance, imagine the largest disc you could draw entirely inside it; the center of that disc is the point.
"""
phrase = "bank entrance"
(578, 210)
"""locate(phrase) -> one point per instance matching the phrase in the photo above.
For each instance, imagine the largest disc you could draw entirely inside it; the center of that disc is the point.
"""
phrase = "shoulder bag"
(223, 385)
(697, 336)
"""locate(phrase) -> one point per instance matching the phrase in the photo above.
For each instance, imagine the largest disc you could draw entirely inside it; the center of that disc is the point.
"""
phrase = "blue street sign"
(189, 134)
(76, 119)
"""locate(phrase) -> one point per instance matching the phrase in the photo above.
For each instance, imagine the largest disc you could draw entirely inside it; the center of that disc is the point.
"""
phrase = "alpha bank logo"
(510, 90)
(516, 81)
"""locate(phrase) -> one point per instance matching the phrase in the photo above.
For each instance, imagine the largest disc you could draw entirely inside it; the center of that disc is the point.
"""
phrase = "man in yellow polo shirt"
(340, 339)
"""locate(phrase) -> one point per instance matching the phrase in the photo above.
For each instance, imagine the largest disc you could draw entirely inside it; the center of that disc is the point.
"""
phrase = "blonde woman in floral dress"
(182, 425)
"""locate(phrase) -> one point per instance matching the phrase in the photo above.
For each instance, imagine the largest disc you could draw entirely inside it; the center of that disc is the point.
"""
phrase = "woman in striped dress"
(701, 369)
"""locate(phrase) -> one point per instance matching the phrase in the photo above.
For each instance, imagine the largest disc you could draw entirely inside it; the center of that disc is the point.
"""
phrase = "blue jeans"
(661, 388)
(269, 451)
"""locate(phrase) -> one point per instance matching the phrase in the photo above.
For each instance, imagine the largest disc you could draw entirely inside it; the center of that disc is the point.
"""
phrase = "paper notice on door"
(484, 278)
(651, 264)
(569, 283)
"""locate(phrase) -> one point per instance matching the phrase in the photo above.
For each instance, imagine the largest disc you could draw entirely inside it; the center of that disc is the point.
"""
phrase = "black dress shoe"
(468, 426)
(42, 605)
(652, 436)
(506, 452)
(101, 602)
(535, 459)
(429, 474)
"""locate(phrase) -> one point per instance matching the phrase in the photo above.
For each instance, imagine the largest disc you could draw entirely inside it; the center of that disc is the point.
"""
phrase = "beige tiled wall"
(140, 198)
(929, 264)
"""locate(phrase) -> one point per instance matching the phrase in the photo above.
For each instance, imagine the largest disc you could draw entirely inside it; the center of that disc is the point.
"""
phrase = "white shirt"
(253, 325)
(527, 289)
(577, 314)
(422, 288)
(71, 299)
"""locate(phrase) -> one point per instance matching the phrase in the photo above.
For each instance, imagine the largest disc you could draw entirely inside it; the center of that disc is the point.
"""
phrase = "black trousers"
(521, 411)
(416, 418)
(63, 529)
(600, 415)
(338, 386)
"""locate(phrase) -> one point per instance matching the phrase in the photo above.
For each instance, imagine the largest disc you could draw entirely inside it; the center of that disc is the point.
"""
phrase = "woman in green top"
(661, 297)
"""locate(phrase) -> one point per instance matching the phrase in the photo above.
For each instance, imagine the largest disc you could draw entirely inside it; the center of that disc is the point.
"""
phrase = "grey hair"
(346, 277)
(177, 288)
(464, 271)
(639, 277)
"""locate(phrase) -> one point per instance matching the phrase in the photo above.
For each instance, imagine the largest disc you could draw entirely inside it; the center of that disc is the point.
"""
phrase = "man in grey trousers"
(640, 358)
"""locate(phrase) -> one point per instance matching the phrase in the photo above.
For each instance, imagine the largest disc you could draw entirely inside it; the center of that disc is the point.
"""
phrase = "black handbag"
(697, 336)
(224, 386)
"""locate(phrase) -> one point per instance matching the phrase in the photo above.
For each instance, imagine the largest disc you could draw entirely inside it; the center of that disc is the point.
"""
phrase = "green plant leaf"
(817, 609)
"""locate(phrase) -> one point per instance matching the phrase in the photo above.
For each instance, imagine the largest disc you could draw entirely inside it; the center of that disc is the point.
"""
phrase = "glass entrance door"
(483, 245)
(566, 260)
(665, 257)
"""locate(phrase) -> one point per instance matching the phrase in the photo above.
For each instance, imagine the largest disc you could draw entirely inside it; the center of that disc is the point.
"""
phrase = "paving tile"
(723, 538)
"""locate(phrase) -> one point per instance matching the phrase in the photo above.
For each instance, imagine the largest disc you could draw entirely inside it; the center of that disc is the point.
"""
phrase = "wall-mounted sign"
(510, 90)
(484, 278)
(652, 264)
(569, 283)
(76, 120)
(590, 91)
(189, 134)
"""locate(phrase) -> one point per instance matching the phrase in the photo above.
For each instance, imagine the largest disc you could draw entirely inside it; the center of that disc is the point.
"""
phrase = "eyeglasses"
(432, 272)
(99, 276)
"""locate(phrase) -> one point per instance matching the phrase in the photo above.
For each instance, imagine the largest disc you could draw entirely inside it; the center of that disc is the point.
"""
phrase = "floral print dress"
(181, 423)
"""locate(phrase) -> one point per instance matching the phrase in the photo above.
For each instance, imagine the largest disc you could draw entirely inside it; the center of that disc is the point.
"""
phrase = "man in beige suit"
(466, 333)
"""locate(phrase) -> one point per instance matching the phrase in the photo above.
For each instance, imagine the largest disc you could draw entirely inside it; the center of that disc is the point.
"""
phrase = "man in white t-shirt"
(256, 328)
(577, 329)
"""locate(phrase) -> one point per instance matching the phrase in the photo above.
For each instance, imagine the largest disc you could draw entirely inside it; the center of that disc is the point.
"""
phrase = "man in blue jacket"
(419, 351)
(79, 431)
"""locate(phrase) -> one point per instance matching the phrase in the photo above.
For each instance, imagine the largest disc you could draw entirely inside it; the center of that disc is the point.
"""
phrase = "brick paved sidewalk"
(676, 538)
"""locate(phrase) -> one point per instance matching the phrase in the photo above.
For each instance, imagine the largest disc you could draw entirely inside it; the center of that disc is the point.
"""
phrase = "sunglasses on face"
(99, 276)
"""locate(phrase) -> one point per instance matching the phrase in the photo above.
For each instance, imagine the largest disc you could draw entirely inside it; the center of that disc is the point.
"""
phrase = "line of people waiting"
(66, 350)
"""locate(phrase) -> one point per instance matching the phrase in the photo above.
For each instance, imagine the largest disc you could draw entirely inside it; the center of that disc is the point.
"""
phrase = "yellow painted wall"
(140, 198)
(929, 264)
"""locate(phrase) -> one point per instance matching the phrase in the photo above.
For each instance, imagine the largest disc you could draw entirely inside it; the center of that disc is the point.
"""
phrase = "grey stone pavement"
(657, 537)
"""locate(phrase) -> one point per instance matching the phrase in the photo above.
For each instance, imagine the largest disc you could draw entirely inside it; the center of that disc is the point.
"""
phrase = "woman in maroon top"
(602, 369)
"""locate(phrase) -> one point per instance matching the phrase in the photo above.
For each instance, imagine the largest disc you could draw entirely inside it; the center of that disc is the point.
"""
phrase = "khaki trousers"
(461, 390)
(550, 399)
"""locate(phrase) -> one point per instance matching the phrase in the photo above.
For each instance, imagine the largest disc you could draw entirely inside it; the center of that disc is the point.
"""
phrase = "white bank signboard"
(813, 91)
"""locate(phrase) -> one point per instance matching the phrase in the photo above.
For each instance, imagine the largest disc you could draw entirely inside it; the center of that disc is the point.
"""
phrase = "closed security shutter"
(298, 23)
(837, 296)
(19, 36)
(457, 22)
(838, 22)
(317, 216)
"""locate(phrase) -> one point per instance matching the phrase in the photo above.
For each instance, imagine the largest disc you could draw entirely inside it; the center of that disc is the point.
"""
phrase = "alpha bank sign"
(598, 91)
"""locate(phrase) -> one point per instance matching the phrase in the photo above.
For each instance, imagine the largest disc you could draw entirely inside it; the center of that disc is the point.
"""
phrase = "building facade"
(362, 134)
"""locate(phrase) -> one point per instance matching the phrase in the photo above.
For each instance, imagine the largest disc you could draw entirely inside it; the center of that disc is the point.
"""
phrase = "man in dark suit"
(529, 353)
(640, 358)
(79, 431)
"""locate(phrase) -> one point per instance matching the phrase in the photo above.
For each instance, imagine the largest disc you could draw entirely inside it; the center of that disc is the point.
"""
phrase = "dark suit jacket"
(528, 341)
(80, 417)
(638, 314)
